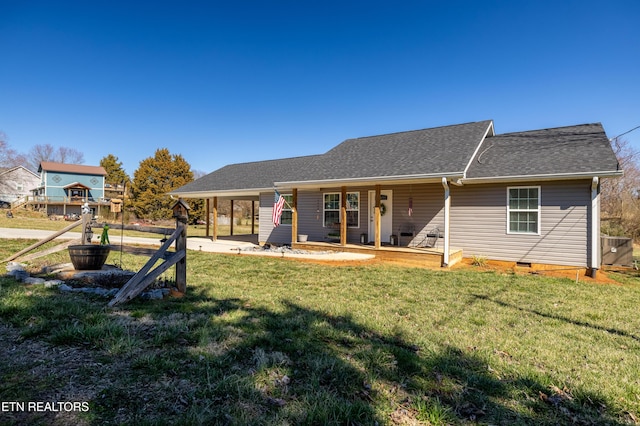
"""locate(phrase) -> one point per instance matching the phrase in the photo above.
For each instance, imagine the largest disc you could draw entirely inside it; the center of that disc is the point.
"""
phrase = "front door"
(386, 215)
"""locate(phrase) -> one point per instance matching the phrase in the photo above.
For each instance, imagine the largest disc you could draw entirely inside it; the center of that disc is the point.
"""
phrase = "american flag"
(278, 205)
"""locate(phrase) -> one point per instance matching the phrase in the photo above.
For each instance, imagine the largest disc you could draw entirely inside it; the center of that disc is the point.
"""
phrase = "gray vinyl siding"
(428, 211)
(310, 214)
(266, 232)
(479, 224)
(310, 217)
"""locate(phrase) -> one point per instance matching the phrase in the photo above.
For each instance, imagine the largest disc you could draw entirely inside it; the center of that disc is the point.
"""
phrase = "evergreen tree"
(115, 173)
(154, 178)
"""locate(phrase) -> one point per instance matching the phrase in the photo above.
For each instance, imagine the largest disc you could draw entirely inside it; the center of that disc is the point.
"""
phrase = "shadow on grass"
(197, 360)
(558, 317)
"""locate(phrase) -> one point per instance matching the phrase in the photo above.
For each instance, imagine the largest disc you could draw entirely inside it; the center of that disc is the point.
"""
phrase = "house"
(16, 183)
(64, 188)
(529, 197)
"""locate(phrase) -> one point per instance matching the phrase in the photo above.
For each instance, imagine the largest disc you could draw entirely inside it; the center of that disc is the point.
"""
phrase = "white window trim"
(509, 210)
(325, 210)
(339, 210)
(285, 208)
(355, 210)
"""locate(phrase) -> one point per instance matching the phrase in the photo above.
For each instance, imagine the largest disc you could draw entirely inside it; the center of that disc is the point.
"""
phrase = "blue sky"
(228, 82)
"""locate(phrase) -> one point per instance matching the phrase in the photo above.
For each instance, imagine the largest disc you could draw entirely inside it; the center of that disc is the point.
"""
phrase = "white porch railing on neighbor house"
(41, 199)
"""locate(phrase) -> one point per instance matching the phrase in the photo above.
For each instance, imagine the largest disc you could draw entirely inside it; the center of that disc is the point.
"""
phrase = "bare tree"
(620, 196)
(46, 152)
(8, 156)
(197, 174)
(69, 155)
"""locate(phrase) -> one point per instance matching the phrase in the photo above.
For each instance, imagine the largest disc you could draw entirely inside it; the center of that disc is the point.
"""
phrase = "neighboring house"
(64, 188)
(528, 197)
(16, 183)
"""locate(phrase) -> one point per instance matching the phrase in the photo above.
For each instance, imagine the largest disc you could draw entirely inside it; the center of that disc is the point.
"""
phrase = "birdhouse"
(181, 210)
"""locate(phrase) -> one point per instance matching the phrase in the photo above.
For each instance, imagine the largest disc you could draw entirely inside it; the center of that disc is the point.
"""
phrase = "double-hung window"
(523, 210)
(287, 215)
(353, 209)
(331, 210)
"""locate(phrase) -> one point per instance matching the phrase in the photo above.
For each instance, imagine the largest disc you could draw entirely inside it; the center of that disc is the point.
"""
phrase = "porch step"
(431, 258)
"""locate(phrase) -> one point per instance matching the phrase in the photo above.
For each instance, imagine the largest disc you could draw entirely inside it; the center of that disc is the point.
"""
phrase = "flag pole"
(285, 200)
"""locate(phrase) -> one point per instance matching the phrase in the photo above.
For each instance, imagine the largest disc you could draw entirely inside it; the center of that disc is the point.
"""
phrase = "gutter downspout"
(595, 228)
(447, 207)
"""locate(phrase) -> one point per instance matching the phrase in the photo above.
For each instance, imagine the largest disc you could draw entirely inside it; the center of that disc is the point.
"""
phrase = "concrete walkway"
(195, 243)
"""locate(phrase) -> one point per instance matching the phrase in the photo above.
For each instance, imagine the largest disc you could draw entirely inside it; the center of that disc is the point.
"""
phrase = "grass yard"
(263, 341)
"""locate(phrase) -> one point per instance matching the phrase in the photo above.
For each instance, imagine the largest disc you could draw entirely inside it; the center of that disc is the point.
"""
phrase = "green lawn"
(263, 341)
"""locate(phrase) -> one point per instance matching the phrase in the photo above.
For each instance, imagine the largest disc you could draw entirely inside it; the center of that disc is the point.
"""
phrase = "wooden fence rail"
(145, 276)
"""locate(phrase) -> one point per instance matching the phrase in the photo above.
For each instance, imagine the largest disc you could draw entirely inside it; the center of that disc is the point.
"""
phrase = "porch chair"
(430, 239)
(406, 230)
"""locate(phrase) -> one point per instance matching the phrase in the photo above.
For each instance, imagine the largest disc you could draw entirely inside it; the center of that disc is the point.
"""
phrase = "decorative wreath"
(383, 209)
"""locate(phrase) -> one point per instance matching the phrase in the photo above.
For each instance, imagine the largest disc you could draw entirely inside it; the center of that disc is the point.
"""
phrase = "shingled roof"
(470, 152)
(562, 151)
(437, 152)
(50, 166)
(247, 177)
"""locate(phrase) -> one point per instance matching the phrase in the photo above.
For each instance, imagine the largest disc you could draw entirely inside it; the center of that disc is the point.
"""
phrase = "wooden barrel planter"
(89, 256)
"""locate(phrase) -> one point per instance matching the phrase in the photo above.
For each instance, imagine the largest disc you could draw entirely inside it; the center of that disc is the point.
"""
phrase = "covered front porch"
(391, 221)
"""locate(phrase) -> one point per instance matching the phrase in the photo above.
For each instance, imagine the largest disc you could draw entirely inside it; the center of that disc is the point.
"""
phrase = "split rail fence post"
(181, 245)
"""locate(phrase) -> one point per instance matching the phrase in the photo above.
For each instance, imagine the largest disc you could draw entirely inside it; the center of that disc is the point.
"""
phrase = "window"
(523, 210)
(287, 214)
(353, 209)
(332, 209)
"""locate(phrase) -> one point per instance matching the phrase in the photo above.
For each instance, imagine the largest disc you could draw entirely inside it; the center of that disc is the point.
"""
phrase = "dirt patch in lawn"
(557, 271)
(579, 274)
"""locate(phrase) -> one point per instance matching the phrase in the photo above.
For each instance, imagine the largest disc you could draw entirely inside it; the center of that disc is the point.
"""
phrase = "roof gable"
(18, 168)
(558, 151)
(77, 185)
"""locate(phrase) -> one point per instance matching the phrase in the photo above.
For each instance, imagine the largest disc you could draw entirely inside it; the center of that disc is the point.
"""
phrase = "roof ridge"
(418, 130)
(273, 160)
(549, 128)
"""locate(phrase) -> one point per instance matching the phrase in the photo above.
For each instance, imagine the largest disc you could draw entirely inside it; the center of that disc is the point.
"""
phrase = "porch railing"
(42, 199)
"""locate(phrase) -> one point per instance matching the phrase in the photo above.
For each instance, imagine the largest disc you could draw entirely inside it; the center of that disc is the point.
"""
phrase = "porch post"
(253, 217)
(595, 226)
(343, 216)
(447, 207)
(294, 216)
(207, 216)
(215, 219)
(376, 219)
(231, 223)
